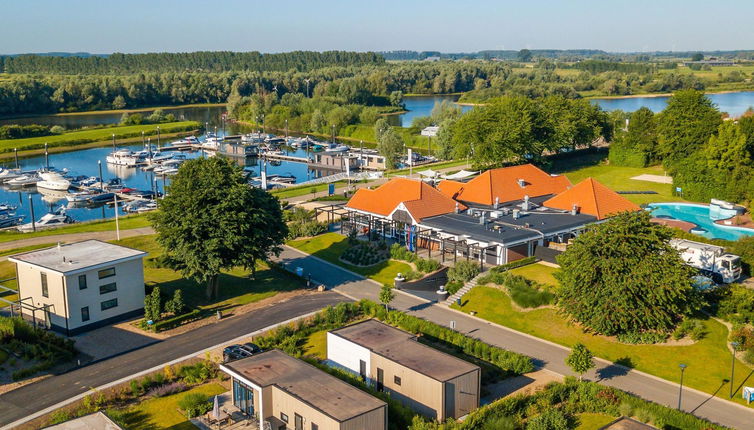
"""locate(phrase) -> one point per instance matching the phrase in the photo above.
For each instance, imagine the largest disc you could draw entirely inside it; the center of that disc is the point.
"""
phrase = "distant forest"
(563, 55)
(221, 61)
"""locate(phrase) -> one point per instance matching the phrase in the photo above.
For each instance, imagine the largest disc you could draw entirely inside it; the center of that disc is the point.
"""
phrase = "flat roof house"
(432, 383)
(80, 286)
(289, 393)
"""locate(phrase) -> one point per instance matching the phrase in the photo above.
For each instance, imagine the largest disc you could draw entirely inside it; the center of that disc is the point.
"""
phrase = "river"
(733, 103)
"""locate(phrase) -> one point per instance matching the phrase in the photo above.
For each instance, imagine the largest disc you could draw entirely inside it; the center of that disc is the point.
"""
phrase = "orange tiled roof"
(592, 198)
(504, 184)
(420, 199)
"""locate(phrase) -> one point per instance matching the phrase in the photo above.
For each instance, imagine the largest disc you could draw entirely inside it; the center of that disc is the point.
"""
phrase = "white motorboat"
(140, 206)
(125, 157)
(50, 220)
(188, 140)
(10, 220)
(24, 180)
(8, 174)
(337, 148)
(168, 166)
(53, 181)
(212, 143)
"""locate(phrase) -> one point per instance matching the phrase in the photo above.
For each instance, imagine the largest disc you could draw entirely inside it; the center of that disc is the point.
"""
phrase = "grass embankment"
(113, 111)
(236, 289)
(163, 412)
(96, 136)
(540, 273)
(330, 247)
(708, 360)
(125, 222)
(592, 421)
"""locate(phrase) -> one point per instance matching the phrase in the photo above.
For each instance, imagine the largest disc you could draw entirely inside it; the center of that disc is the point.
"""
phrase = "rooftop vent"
(457, 208)
(516, 214)
(525, 205)
(574, 209)
(482, 219)
(497, 202)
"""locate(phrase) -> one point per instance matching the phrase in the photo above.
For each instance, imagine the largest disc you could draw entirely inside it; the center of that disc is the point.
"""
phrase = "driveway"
(546, 355)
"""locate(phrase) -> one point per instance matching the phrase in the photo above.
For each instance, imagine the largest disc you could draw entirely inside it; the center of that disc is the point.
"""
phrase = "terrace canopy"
(463, 174)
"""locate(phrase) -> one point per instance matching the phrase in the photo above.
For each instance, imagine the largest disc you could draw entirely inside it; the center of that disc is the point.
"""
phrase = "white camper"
(711, 260)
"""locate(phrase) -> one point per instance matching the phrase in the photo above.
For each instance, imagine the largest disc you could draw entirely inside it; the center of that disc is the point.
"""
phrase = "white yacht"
(212, 143)
(8, 174)
(337, 148)
(50, 220)
(125, 157)
(53, 181)
(24, 180)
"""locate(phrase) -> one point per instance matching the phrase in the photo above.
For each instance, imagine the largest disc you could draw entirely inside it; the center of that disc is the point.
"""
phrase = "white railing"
(354, 176)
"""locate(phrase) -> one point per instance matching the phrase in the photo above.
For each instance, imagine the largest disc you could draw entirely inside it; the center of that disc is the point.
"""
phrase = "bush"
(427, 265)
(551, 419)
(364, 254)
(167, 389)
(306, 229)
(195, 404)
(463, 271)
(57, 129)
(518, 263)
(526, 293)
(742, 335)
(198, 373)
(642, 338)
(59, 416)
(692, 328)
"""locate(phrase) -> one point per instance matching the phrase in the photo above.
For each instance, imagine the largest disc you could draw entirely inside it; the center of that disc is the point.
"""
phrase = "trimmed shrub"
(518, 263)
(550, 419)
(167, 389)
(195, 404)
(463, 271)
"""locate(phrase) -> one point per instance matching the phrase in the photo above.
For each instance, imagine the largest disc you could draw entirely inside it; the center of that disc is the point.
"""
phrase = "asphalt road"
(546, 354)
(26, 400)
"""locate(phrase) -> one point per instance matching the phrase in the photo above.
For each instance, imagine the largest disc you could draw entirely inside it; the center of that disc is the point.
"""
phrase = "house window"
(85, 313)
(107, 288)
(397, 380)
(315, 427)
(106, 273)
(284, 418)
(109, 304)
(82, 282)
(45, 292)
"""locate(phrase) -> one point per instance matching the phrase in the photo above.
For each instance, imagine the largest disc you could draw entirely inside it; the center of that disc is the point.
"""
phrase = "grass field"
(162, 412)
(287, 193)
(616, 178)
(316, 345)
(538, 273)
(74, 138)
(708, 360)
(125, 222)
(236, 289)
(590, 421)
(330, 247)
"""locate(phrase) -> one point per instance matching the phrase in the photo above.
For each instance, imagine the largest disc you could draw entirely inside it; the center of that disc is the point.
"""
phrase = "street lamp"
(680, 390)
(734, 345)
(333, 133)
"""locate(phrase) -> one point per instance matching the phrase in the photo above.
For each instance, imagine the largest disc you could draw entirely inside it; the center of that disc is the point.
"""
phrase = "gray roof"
(505, 229)
(77, 256)
(401, 347)
(95, 421)
(320, 390)
(625, 423)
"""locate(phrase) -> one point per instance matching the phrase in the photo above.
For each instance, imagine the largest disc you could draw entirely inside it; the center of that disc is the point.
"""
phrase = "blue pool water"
(699, 215)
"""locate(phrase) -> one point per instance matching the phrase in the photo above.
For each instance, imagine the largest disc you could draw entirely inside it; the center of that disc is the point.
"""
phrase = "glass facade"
(243, 397)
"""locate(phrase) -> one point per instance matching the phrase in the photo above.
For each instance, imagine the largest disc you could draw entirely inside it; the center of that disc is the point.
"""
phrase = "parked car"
(237, 352)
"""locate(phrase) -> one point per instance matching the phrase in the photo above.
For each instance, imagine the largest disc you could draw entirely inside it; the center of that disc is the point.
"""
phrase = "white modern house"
(80, 286)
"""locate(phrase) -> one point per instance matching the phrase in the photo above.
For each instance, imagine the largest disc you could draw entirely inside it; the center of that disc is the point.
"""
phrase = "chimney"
(457, 208)
(525, 206)
(497, 202)
(574, 209)
(516, 214)
(481, 219)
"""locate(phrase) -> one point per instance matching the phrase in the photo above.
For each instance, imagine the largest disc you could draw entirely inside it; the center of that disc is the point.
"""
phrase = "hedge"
(512, 265)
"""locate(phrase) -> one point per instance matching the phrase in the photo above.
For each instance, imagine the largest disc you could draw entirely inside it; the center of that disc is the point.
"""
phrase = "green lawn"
(316, 345)
(95, 135)
(22, 249)
(286, 193)
(162, 413)
(330, 247)
(537, 272)
(236, 288)
(590, 421)
(125, 222)
(708, 360)
(618, 178)
(433, 166)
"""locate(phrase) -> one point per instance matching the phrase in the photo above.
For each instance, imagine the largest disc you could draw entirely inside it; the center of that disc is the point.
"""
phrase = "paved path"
(26, 400)
(546, 355)
(74, 237)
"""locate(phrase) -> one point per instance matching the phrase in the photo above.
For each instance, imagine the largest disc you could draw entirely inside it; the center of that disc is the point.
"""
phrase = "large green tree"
(622, 276)
(212, 220)
(686, 124)
(391, 146)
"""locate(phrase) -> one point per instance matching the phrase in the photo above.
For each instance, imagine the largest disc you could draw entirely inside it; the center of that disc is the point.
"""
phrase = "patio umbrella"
(216, 409)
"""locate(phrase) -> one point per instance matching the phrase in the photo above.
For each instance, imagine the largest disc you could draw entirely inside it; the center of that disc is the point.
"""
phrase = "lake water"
(421, 106)
(733, 103)
(84, 162)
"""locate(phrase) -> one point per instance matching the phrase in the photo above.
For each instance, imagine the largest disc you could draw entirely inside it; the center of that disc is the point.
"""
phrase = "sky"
(133, 26)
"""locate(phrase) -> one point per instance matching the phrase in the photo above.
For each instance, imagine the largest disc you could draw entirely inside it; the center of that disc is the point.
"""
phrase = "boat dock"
(283, 157)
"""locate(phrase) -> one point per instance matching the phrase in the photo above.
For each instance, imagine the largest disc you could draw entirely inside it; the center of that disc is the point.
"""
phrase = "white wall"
(346, 353)
(129, 281)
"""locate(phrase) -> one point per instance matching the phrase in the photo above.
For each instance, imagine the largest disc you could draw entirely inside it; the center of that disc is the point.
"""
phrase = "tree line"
(708, 157)
(206, 61)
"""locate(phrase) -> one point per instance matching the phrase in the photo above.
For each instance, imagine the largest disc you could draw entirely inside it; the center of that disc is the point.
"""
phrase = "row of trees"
(707, 156)
(208, 61)
(513, 128)
(372, 84)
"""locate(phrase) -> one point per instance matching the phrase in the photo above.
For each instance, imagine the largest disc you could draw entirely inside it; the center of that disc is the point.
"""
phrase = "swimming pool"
(699, 215)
